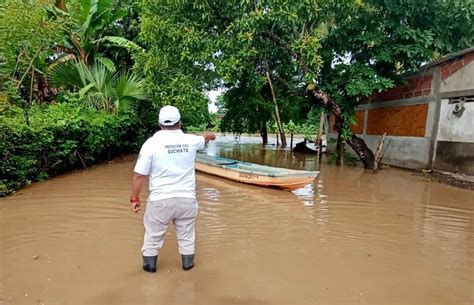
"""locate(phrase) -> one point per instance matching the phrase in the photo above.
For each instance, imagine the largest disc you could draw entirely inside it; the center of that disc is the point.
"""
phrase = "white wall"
(409, 152)
(454, 129)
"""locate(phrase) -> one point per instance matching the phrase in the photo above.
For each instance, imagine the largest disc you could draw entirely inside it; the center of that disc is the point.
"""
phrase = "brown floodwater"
(350, 238)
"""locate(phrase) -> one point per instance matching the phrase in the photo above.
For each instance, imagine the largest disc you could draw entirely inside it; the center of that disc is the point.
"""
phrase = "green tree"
(177, 62)
(28, 34)
(372, 44)
(330, 53)
(91, 19)
(246, 109)
(127, 27)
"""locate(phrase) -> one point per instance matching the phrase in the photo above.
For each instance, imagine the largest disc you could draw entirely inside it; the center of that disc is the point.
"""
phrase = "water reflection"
(272, 156)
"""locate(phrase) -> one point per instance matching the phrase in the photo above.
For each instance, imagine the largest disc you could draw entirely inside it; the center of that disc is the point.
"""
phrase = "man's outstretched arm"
(208, 136)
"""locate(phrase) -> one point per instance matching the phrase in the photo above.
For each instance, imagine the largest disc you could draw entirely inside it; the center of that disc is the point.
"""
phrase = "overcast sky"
(213, 96)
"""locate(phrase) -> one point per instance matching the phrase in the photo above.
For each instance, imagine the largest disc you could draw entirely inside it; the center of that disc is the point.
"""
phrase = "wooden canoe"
(255, 174)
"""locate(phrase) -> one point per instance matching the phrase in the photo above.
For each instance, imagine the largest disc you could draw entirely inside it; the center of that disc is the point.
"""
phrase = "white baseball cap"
(169, 115)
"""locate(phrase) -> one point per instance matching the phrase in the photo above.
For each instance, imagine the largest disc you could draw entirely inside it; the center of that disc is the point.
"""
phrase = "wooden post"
(319, 140)
(378, 153)
(277, 112)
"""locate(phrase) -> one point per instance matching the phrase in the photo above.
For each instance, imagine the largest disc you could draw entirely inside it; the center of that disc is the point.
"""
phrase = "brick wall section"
(395, 121)
(358, 127)
(450, 67)
(398, 121)
(421, 85)
(418, 86)
(332, 123)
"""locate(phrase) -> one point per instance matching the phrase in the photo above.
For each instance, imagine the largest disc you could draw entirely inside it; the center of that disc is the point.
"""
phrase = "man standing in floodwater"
(167, 159)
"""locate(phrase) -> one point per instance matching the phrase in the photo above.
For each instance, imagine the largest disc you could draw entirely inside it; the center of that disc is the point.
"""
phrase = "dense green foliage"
(175, 62)
(39, 37)
(28, 33)
(98, 87)
(343, 51)
(372, 44)
(59, 71)
(60, 138)
(319, 54)
(91, 20)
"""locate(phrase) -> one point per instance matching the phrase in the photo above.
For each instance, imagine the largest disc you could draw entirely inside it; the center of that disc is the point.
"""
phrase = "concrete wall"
(408, 152)
(454, 145)
(455, 141)
(455, 157)
(453, 128)
(408, 123)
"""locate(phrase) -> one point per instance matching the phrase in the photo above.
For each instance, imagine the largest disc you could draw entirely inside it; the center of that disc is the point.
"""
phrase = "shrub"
(59, 138)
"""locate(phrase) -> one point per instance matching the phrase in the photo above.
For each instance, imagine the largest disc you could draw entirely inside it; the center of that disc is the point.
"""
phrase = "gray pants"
(158, 215)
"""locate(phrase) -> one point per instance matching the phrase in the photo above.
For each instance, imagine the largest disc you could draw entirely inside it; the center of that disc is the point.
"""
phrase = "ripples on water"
(350, 237)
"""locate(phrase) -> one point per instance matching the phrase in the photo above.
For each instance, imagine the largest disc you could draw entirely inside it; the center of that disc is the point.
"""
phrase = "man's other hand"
(136, 204)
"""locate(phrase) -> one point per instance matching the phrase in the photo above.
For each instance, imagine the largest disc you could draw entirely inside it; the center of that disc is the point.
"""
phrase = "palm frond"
(98, 86)
(107, 62)
(120, 42)
(129, 89)
(90, 9)
(65, 74)
(85, 90)
(104, 79)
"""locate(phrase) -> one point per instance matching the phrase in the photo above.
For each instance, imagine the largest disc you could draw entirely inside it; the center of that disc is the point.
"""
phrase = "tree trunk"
(264, 135)
(277, 113)
(362, 150)
(356, 143)
(291, 141)
(340, 150)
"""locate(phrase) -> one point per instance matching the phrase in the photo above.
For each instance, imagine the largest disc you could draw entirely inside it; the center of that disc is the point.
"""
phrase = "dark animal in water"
(302, 148)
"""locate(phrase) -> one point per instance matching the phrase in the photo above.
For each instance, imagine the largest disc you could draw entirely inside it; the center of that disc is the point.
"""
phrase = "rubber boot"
(149, 263)
(188, 261)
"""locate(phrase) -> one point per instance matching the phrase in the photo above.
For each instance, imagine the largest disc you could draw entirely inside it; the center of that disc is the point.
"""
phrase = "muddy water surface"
(350, 238)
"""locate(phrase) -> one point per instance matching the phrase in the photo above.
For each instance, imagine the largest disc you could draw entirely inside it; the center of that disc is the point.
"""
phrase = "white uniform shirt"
(168, 160)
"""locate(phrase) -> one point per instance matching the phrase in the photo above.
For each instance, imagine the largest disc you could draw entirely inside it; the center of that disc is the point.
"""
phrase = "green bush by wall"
(59, 138)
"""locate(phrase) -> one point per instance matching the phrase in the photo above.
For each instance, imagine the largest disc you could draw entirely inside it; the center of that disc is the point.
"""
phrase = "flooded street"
(350, 238)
